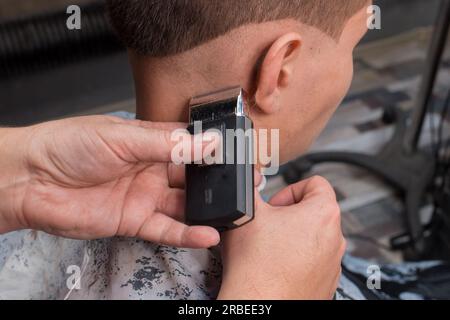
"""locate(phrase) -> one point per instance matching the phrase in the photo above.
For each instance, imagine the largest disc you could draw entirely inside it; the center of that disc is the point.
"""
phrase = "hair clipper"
(221, 195)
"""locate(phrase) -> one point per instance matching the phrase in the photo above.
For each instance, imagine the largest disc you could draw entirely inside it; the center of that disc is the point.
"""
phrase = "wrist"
(247, 285)
(13, 177)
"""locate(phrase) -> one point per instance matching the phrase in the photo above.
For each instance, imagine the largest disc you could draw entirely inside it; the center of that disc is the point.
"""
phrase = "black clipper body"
(221, 195)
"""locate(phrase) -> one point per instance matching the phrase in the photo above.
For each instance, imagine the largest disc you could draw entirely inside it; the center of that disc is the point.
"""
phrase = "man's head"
(293, 56)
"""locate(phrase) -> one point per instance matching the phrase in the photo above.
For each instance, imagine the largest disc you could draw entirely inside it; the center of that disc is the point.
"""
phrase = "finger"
(296, 193)
(164, 230)
(290, 195)
(176, 175)
(170, 126)
(156, 145)
(258, 178)
(172, 203)
(259, 201)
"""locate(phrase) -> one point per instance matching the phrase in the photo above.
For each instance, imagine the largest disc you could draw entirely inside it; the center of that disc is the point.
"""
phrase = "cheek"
(311, 102)
(347, 77)
(342, 79)
(334, 83)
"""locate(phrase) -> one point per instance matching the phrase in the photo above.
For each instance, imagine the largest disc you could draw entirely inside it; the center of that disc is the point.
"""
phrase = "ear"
(276, 71)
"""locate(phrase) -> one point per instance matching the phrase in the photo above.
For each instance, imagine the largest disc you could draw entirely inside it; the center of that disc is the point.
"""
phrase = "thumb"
(153, 144)
(312, 188)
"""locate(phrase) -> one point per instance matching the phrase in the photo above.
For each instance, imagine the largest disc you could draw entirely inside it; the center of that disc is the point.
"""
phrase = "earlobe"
(276, 72)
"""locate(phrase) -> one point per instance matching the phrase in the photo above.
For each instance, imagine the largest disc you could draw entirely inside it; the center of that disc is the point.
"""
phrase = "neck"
(159, 99)
(164, 89)
(164, 96)
(164, 86)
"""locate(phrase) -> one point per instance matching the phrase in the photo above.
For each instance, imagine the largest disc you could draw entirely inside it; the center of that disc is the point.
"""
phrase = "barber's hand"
(292, 250)
(95, 177)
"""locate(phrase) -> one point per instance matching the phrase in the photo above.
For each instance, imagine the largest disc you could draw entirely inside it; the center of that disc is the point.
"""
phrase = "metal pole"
(438, 43)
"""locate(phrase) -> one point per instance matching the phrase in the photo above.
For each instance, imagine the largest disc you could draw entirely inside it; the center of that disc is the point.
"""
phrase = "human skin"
(54, 180)
(299, 229)
(297, 77)
(292, 250)
(296, 74)
(95, 177)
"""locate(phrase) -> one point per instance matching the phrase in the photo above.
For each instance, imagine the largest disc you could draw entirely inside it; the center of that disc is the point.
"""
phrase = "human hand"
(292, 250)
(95, 177)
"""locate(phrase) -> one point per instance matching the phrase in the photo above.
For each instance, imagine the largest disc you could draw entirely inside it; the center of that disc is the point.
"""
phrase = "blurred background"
(49, 72)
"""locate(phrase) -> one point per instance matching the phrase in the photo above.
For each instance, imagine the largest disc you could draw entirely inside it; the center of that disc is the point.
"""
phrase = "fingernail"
(263, 183)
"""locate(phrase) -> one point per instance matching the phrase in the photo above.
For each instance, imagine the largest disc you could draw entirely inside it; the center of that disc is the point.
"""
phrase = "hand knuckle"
(323, 186)
(331, 211)
(318, 181)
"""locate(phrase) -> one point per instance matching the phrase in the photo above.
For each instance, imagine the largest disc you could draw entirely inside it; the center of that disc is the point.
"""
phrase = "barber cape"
(35, 265)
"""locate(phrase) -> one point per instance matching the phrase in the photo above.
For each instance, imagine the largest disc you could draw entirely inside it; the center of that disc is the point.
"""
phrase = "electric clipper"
(221, 195)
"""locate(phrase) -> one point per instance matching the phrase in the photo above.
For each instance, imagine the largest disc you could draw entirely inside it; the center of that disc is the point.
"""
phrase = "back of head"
(294, 57)
(162, 28)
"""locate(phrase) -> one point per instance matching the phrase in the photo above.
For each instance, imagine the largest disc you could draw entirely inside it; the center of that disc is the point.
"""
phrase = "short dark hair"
(162, 28)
